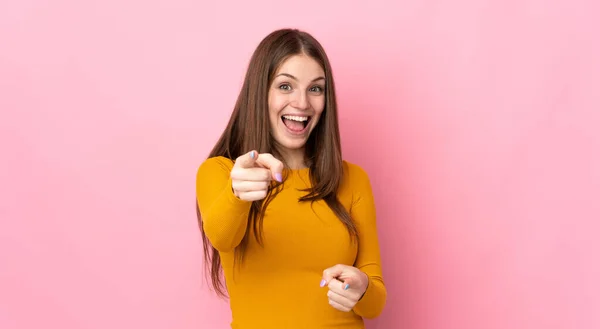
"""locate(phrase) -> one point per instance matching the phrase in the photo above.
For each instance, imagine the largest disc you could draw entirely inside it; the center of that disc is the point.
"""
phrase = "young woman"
(289, 223)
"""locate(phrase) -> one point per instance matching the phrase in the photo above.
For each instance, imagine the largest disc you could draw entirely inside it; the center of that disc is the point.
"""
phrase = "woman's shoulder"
(354, 169)
(355, 174)
(215, 164)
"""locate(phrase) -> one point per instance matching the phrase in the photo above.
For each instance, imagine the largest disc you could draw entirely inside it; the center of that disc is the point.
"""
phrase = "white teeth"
(295, 118)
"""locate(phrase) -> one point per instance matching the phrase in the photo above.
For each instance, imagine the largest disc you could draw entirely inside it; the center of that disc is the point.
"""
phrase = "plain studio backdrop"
(477, 121)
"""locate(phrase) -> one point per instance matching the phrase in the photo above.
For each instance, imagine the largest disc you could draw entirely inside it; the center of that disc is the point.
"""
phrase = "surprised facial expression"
(296, 101)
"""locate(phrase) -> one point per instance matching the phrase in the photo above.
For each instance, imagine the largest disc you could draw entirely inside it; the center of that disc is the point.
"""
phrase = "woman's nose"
(300, 101)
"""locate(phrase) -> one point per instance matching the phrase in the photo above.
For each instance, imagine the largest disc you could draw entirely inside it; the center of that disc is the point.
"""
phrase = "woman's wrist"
(366, 277)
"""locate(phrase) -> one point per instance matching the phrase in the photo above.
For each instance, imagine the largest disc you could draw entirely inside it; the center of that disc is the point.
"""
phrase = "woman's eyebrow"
(293, 77)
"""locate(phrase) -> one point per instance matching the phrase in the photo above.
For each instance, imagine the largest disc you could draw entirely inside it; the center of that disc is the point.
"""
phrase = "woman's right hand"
(252, 173)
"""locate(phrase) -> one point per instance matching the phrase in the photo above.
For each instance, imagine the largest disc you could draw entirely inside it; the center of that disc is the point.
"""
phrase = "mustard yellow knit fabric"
(277, 285)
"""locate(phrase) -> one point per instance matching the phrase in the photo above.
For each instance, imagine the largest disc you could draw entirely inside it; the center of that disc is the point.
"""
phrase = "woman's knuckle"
(266, 175)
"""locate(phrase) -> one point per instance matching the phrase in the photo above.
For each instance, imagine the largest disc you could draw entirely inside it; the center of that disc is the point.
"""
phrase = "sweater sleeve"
(224, 216)
(368, 260)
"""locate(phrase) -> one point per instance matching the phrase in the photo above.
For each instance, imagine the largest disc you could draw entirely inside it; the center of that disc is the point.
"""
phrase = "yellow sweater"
(277, 287)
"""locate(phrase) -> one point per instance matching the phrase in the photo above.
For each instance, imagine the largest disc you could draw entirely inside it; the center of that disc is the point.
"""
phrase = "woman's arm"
(224, 216)
(368, 260)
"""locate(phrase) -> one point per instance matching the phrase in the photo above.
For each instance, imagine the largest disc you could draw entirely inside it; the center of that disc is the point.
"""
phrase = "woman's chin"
(292, 141)
(291, 144)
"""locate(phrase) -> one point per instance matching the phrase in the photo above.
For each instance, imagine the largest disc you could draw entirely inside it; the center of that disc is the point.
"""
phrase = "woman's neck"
(294, 159)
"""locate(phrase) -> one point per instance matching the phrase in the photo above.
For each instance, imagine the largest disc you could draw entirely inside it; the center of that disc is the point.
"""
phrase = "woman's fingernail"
(252, 154)
(278, 177)
(323, 283)
(346, 286)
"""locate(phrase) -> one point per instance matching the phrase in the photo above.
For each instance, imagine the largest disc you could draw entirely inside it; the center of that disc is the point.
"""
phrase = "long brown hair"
(249, 129)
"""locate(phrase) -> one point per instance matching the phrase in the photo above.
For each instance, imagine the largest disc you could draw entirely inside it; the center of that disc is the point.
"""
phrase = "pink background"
(484, 155)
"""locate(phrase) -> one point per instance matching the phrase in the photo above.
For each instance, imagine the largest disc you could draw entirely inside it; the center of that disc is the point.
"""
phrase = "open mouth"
(295, 123)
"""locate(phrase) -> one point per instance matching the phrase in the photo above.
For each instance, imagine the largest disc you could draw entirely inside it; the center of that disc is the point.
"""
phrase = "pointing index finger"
(270, 162)
(331, 273)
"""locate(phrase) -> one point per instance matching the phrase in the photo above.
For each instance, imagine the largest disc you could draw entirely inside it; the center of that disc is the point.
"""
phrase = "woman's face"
(296, 101)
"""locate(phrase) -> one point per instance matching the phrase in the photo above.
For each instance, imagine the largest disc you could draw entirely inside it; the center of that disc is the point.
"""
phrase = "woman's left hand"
(347, 285)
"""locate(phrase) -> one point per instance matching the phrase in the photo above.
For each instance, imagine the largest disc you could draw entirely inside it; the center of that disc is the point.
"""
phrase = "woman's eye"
(316, 89)
(285, 87)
